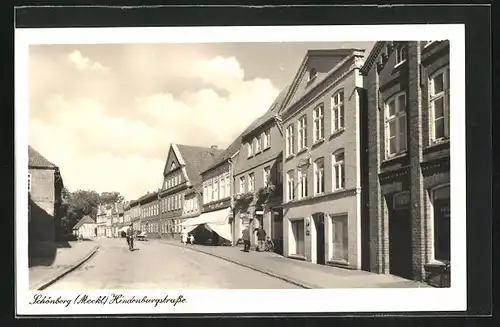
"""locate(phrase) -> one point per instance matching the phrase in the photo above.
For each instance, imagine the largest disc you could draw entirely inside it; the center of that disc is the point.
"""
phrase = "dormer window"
(312, 74)
(401, 54)
(173, 166)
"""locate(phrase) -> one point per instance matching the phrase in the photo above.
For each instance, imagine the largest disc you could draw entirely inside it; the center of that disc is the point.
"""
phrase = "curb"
(67, 271)
(263, 271)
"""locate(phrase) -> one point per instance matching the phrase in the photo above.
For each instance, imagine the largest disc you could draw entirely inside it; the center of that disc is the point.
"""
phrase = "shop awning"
(218, 221)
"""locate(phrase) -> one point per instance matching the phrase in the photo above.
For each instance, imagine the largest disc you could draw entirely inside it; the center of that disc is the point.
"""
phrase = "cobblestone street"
(156, 265)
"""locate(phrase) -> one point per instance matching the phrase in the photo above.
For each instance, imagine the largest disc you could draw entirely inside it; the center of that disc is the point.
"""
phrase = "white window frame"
(401, 145)
(209, 195)
(279, 172)
(222, 187)
(302, 132)
(29, 182)
(303, 183)
(338, 182)
(249, 149)
(266, 174)
(242, 184)
(205, 193)
(266, 139)
(215, 189)
(256, 144)
(251, 182)
(290, 185)
(445, 95)
(338, 111)
(399, 54)
(319, 123)
(290, 140)
(317, 175)
(228, 185)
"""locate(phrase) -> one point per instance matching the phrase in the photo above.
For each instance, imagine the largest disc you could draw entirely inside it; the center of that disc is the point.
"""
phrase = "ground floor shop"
(412, 232)
(211, 227)
(325, 230)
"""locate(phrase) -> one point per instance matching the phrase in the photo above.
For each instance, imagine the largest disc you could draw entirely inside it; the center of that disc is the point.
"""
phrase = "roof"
(195, 189)
(272, 111)
(36, 160)
(197, 160)
(147, 196)
(227, 153)
(84, 220)
(370, 59)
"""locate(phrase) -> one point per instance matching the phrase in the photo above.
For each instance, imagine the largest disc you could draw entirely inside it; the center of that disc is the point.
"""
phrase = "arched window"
(338, 110)
(319, 176)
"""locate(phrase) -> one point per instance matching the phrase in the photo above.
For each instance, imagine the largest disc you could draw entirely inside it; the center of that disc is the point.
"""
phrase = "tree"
(81, 203)
(110, 197)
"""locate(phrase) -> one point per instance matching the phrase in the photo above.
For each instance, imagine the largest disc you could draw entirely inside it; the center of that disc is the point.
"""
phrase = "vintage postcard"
(196, 169)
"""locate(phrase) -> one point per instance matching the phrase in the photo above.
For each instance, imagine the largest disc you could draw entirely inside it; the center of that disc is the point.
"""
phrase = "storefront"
(215, 221)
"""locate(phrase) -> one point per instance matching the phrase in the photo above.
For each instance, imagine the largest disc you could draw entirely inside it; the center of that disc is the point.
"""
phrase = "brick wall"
(42, 199)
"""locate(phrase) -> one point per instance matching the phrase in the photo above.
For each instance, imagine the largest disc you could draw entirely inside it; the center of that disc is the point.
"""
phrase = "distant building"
(150, 212)
(45, 186)
(258, 177)
(101, 221)
(135, 214)
(408, 99)
(85, 228)
(181, 175)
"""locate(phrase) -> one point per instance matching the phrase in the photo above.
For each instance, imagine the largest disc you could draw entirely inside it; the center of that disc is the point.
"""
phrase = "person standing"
(246, 239)
(261, 238)
(130, 237)
(191, 239)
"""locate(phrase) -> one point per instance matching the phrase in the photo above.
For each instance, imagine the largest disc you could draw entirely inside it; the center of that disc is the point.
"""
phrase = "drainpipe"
(231, 193)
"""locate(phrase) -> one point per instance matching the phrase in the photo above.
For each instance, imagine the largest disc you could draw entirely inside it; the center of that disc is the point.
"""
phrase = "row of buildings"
(349, 166)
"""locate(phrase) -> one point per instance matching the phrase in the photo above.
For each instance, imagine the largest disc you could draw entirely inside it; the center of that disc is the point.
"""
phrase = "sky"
(106, 114)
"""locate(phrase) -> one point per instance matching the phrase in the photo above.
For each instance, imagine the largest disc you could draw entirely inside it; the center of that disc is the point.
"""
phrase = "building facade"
(258, 177)
(322, 168)
(101, 220)
(85, 228)
(182, 175)
(150, 215)
(45, 186)
(127, 214)
(135, 215)
(408, 99)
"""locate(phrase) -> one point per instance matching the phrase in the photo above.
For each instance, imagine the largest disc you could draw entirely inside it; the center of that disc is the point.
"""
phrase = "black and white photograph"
(260, 165)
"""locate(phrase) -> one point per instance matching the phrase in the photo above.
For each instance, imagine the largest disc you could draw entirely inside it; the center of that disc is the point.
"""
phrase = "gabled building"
(322, 159)
(258, 177)
(101, 220)
(45, 186)
(216, 201)
(181, 175)
(408, 99)
(85, 228)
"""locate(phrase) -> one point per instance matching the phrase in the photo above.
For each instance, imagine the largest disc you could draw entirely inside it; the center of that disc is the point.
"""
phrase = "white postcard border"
(251, 301)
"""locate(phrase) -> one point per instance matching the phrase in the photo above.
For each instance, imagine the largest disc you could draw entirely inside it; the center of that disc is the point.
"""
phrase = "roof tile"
(36, 160)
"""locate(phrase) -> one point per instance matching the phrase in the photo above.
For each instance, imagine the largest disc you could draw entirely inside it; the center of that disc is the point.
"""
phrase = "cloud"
(83, 63)
(113, 134)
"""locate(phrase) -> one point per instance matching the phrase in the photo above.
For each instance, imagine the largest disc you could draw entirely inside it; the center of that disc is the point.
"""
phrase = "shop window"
(298, 235)
(340, 245)
(441, 215)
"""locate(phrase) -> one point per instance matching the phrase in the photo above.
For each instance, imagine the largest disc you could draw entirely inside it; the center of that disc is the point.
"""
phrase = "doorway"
(319, 222)
(400, 243)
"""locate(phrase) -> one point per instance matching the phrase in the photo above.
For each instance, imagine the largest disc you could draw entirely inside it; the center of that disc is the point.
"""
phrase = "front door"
(319, 221)
(400, 243)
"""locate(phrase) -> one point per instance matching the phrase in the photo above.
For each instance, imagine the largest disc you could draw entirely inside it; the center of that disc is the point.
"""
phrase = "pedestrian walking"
(245, 235)
(191, 239)
(261, 237)
(130, 237)
(184, 238)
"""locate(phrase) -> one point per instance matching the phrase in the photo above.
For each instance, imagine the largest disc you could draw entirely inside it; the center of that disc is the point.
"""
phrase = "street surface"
(157, 265)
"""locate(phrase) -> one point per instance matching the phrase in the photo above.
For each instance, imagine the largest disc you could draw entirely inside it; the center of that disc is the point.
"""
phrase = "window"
(250, 149)
(439, 100)
(298, 235)
(319, 126)
(210, 192)
(340, 245)
(338, 111)
(279, 171)
(302, 132)
(267, 175)
(228, 186)
(251, 182)
(267, 139)
(205, 193)
(395, 125)
(312, 74)
(302, 180)
(256, 145)
(242, 184)
(215, 190)
(289, 141)
(400, 54)
(222, 184)
(338, 170)
(29, 182)
(319, 176)
(290, 186)
(441, 214)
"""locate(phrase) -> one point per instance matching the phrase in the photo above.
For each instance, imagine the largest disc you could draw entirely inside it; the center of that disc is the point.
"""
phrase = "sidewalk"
(66, 259)
(305, 274)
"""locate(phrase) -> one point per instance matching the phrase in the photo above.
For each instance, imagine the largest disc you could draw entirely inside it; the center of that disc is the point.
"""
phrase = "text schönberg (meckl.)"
(106, 299)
